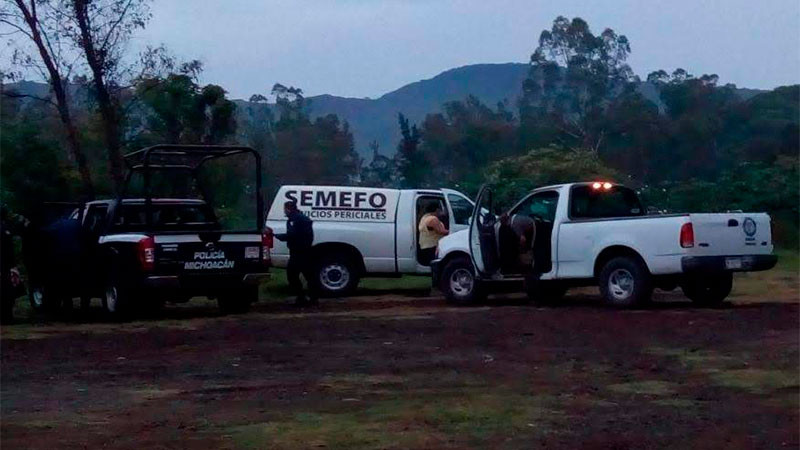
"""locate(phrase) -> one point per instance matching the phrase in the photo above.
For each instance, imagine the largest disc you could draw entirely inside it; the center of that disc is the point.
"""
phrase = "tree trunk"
(61, 98)
(74, 141)
(106, 104)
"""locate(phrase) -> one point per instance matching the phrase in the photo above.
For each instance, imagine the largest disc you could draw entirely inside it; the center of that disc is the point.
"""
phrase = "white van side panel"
(361, 217)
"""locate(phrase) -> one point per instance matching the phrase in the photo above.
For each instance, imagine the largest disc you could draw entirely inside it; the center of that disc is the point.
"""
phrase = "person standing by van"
(431, 229)
(299, 237)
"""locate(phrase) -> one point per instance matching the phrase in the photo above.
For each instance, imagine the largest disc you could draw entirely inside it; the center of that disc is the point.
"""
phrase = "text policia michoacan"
(341, 205)
(209, 260)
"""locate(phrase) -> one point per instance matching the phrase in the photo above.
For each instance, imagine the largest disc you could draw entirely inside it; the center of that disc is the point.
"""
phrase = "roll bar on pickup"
(187, 158)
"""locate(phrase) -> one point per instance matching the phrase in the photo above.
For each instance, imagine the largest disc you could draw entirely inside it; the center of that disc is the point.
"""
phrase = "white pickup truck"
(360, 231)
(598, 233)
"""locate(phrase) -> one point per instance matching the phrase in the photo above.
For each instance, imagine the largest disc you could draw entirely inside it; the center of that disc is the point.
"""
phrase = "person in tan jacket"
(431, 229)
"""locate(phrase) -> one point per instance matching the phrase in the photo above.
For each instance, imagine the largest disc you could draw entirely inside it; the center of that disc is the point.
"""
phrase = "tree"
(40, 22)
(695, 110)
(310, 152)
(461, 141)
(382, 170)
(411, 162)
(101, 29)
(574, 77)
(517, 175)
(32, 168)
(179, 111)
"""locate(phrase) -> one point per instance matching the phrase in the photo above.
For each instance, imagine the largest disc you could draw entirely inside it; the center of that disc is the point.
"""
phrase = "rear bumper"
(177, 282)
(716, 264)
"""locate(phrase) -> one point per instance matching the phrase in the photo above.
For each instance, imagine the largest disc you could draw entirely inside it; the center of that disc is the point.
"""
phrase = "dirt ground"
(408, 371)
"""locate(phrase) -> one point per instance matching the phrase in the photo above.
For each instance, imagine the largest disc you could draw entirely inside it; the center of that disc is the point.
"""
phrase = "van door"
(459, 208)
(483, 235)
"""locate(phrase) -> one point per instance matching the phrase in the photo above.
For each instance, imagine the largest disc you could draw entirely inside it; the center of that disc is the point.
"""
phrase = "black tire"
(544, 293)
(337, 275)
(237, 300)
(625, 281)
(459, 284)
(44, 299)
(117, 298)
(710, 290)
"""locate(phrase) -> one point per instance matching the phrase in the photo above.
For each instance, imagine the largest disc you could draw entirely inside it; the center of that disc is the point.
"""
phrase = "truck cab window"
(95, 218)
(541, 205)
(591, 203)
(462, 209)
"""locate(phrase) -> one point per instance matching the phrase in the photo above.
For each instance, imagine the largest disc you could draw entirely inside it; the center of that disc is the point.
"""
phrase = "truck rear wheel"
(710, 290)
(238, 300)
(459, 284)
(337, 275)
(116, 300)
(625, 281)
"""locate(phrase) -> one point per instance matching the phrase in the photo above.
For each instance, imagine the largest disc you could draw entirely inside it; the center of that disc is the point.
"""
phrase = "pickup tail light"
(146, 248)
(267, 243)
(687, 235)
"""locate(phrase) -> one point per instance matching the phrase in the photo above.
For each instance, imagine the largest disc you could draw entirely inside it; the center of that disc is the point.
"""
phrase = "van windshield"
(591, 203)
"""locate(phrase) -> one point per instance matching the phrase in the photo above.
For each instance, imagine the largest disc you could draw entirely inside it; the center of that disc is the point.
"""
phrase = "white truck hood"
(458, 241)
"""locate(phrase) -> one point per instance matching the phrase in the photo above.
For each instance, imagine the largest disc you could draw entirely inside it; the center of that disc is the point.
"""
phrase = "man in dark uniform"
(298, 237)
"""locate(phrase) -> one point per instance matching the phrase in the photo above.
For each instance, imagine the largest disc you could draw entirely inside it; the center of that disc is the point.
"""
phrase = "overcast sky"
(365, 48)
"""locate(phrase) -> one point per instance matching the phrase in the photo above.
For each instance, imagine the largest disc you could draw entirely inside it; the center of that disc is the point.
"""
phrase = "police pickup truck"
(141, 252)
(598, 233)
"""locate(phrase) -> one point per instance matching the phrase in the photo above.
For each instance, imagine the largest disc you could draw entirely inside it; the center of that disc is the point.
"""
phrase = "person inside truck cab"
(431, 229)
(516, 235)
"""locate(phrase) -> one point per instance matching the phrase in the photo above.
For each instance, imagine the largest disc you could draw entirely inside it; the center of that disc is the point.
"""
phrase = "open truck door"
(483, 236)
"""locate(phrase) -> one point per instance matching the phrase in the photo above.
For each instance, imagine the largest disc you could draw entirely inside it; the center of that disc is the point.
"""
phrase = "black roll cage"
(189, 158)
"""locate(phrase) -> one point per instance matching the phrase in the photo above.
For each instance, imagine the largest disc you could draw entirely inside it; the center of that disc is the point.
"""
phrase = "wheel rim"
(620, 284)
(38, 297)
(111, 299)
(334, 277)
(461, 282)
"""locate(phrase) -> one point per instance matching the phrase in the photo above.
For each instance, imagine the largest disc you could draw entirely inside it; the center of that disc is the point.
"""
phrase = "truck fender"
(614, 250)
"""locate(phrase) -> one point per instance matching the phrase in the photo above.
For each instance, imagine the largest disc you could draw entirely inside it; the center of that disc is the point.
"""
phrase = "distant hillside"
(376, 119)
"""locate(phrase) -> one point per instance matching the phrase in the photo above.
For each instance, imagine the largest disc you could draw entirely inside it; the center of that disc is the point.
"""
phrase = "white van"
(361, 231)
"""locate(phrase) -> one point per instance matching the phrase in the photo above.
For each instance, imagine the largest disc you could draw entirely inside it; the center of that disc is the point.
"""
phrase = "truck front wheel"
(459, 283)
(625, 281)
(709, 290)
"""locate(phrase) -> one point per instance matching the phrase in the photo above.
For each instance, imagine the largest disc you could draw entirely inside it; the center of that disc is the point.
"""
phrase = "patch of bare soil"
(391, 372)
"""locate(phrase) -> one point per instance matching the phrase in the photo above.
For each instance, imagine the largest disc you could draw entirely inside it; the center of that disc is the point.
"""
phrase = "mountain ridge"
(376, 119)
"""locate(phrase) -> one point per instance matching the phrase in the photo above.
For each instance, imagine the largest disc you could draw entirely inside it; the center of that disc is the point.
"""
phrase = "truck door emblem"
(749, 227)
